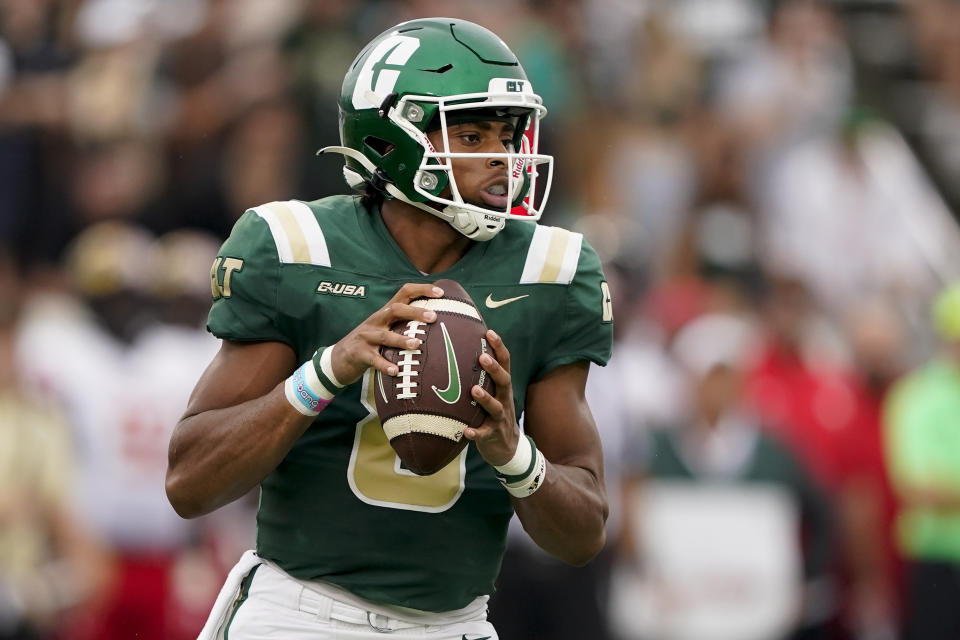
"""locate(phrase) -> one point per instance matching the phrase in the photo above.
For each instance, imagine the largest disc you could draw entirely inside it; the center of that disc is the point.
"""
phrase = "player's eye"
(469, 138)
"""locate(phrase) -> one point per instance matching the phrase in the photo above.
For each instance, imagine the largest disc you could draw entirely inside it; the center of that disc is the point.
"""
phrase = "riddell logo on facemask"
(517, 168)
(342, 289)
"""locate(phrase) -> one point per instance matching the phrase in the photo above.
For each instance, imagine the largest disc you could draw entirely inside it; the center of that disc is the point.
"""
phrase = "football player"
(439, 126)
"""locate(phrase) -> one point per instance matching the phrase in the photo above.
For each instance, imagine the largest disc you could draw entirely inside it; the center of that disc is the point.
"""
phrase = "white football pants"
(272, 604)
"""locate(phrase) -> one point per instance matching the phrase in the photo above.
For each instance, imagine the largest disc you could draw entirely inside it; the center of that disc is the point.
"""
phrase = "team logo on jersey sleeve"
(221, 273)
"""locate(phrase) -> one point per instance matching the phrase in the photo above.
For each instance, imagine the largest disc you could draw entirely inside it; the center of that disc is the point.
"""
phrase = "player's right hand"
(360, 349)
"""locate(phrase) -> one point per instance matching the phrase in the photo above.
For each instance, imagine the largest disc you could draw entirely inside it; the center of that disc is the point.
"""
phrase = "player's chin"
(486, 206)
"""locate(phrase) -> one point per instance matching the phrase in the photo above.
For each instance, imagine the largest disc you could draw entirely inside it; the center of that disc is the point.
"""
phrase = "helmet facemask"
(522, 163)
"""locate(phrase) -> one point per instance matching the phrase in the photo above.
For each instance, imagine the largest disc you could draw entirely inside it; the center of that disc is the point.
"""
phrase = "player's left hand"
(497, 438)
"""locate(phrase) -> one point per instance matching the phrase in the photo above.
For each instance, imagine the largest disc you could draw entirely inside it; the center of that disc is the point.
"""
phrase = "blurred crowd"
(773, 186)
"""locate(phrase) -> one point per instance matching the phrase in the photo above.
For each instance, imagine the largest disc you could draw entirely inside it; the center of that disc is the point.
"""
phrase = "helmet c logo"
(380, 77)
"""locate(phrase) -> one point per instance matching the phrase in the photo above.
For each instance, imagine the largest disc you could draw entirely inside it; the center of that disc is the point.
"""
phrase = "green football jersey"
(340, 507)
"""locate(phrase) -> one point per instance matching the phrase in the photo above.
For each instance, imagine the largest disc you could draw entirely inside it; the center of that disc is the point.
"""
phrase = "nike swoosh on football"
(452, 393)
(493, 304)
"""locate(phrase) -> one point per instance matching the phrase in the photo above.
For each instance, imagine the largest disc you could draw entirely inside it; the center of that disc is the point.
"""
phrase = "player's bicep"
(558, 419)
(241, 371)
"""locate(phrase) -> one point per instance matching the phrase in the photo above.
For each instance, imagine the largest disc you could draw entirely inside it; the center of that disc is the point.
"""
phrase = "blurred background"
(773, 186)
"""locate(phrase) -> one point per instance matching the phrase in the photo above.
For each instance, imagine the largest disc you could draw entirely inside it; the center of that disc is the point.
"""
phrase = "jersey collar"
(379, 236)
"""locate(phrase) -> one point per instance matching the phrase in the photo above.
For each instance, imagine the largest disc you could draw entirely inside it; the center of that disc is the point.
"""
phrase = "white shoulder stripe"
(296, 233)
(553, 256)
(571, 258)
(276, 229)
(316, 243)
(536, 255)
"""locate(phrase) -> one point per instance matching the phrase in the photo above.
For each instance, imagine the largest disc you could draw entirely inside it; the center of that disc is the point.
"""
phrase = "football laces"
(406, 372)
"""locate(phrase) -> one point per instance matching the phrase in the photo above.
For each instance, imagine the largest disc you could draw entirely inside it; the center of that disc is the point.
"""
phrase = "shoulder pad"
(552, 256)
(296, 232)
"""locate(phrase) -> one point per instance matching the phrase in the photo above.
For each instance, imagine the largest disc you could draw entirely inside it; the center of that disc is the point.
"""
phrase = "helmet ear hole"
(379, 146)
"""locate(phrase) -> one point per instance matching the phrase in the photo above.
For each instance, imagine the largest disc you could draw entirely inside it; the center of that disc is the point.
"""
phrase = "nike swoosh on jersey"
(493, 304)
(452, 393)
(464, 637)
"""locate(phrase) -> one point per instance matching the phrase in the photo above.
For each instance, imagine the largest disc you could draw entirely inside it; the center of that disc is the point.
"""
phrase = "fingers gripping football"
(497, 438)
(360, 349)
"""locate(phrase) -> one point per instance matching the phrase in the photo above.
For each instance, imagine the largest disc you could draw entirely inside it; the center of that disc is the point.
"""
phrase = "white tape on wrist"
(528, 486)
(326, 366)
(520, 460)
(524, 473)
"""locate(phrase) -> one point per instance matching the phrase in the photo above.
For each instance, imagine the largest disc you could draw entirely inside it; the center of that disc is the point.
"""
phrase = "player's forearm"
(217, 456)
(566, 517)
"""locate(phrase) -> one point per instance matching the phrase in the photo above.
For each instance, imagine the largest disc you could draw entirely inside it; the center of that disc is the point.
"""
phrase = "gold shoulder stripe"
(552, 256)
(555, 252)
(298, 243)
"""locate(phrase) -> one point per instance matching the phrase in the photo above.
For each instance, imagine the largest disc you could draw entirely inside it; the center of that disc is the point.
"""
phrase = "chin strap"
(472, 224)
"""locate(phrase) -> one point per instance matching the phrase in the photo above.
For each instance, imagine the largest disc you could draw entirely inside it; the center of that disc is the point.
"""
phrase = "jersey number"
(607, 302)
(375, 474)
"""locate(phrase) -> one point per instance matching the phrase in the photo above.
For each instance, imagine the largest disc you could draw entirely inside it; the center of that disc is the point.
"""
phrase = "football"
(427, 405)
